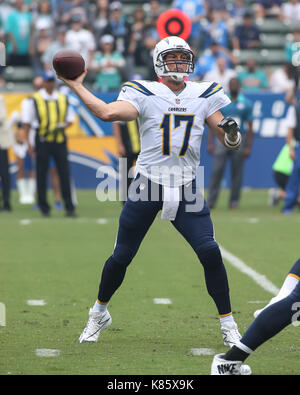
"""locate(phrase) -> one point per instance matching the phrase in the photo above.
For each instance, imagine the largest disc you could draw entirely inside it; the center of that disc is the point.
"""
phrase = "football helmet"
(172, 44)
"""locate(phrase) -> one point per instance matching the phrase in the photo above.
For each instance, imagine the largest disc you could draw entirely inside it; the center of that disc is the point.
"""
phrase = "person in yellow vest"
(49, 114)
(128, 145)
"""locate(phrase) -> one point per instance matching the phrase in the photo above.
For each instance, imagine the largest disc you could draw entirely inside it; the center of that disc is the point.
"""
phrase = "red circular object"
(68, 64)
(174, 23)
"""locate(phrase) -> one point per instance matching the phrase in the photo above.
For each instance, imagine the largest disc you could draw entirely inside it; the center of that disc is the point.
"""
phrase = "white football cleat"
(230, 333)
(222, 367)
(97, 322)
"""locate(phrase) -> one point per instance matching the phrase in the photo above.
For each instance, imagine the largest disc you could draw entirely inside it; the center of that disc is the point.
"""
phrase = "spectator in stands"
(58, 45)
(101, 18)
(108, 64)
(218, 5)
(268, 8)
(69, 8)
(221, 74)
(18, 32)
(246, 35)
(197, 11)
(5, 9)
(43, 16)
(292, 54)
(282, 79)
(149, 44)
(81, 39)
(252, 79)
(208, 61)
(151, 19)
(42, 38)
(216, 30)
(118, 27)
(237, 10)
(137, 28)
(291, 10)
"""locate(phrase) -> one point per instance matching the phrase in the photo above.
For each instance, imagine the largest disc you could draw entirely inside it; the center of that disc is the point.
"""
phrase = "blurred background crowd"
(255, 41)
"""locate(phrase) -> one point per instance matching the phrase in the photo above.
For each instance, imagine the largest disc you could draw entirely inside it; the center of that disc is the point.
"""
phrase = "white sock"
(288, 286)
(227, 318)
(99, 308)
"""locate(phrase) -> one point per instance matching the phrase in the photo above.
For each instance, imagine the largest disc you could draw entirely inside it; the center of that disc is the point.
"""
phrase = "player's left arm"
(226, 129)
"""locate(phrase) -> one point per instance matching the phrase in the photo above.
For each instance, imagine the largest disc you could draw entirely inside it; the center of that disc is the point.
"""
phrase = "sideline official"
(49, 114)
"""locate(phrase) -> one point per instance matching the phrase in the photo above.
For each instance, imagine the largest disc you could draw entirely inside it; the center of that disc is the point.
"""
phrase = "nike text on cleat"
(97, 322)
(222, 367)
(230, 333)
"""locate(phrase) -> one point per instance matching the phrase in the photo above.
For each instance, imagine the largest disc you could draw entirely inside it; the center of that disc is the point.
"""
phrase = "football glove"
(229, 126)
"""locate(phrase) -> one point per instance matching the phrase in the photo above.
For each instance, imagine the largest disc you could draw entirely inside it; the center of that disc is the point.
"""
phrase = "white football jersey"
(171, 126)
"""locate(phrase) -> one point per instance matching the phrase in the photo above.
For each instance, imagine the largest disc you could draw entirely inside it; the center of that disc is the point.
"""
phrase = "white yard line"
(202, 351)
(47, 352)
(162, 301)
(260, 279)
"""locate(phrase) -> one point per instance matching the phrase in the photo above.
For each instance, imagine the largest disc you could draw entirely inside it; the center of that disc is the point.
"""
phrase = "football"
(68, 64)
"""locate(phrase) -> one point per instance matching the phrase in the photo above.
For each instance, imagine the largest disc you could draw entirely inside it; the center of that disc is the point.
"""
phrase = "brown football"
(68, 64)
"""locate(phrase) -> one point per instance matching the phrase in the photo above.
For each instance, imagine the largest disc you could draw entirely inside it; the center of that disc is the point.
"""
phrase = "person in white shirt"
(81, 40)
(282, 79)
(291, 10)
(221, 74)
(172, 115)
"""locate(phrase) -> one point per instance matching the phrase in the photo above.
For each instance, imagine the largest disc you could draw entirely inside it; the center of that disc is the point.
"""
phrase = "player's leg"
(60, 155)
(219, 164)
(197, 229)
(135, 220)
(292, 188)
(237, 169)
(289, 284)
(5, 179)
(267, 325)
(42, 163)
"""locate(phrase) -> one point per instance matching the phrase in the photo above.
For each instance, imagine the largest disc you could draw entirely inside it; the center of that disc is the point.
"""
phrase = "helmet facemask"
(175, 73)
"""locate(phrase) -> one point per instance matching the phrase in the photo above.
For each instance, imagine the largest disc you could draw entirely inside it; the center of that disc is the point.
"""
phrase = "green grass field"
(59, 260)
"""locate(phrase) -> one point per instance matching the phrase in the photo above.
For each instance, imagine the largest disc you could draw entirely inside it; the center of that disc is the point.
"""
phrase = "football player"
(172, 115)
(282, 311)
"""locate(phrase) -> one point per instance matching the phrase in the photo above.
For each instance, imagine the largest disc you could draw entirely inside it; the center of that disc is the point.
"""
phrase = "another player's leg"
(135, 220)
(197, 229)
(289, 284)
(219, 163)
(269, 323)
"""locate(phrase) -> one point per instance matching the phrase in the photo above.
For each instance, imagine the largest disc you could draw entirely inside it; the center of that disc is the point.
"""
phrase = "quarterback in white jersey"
(172, 115)
(171, 125)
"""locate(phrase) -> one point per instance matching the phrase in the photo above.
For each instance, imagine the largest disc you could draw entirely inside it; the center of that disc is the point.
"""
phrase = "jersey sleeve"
(216, 101)
(130, 94)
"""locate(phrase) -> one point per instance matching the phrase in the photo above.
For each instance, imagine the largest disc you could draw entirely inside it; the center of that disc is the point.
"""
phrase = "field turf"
(59, 261)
